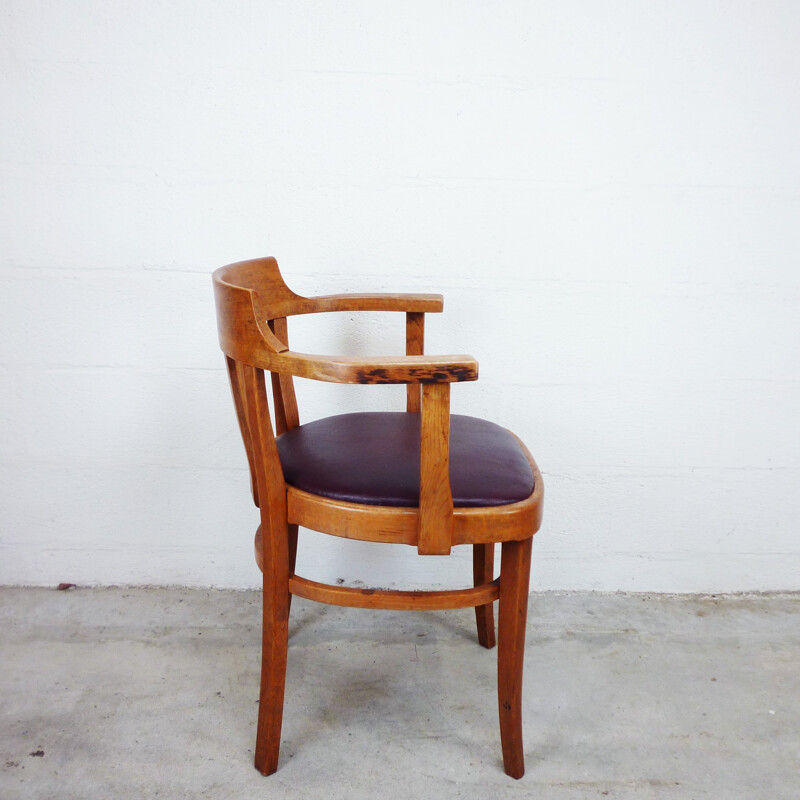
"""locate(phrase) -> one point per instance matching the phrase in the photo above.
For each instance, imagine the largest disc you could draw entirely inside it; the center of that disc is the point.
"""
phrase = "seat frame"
(253, 303)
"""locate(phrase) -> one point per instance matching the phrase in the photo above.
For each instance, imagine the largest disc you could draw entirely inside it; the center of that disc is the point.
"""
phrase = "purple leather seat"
(373, 458)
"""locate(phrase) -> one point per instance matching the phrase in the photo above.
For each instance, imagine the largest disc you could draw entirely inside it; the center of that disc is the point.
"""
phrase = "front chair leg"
(515, 568)
(483, 572)
(274, 644)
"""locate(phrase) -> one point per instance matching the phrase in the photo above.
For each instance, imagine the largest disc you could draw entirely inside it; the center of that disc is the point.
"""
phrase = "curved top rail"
(248, 293)
(276, 299)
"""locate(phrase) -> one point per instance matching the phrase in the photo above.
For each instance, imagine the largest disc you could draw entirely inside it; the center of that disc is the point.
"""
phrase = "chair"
(420, 477)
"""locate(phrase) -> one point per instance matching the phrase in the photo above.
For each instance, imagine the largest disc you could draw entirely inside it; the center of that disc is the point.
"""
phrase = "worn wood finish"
(515, 569)
(253, 302)
(376, 370)
(415, 346)
(435, 498)
(483, 572)
(396, 599)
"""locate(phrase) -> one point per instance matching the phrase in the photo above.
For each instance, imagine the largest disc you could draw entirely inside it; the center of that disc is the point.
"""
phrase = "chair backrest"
(253, 302)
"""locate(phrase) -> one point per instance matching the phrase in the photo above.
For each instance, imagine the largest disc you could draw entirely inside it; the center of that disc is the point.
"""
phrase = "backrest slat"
(246, 294)
(285, 401)
(271, 490)
(237, 390)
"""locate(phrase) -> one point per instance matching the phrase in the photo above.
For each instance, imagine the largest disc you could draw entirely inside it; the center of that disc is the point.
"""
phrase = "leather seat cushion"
(373, 458)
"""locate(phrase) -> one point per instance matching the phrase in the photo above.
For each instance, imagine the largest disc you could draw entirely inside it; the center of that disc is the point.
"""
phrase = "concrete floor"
(140, 693)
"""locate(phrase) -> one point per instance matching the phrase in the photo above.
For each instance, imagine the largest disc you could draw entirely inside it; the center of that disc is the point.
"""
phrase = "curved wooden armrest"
(245, 336)
(378, 302)
(386, 369)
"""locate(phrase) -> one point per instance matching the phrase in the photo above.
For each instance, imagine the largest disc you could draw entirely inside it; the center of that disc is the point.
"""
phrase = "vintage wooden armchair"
(420, 477)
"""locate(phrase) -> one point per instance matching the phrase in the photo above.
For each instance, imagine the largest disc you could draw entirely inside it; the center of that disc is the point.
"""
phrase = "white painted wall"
(606, 193)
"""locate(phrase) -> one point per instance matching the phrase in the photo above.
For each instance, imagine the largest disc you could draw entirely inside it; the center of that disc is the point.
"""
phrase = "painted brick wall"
(606, 193)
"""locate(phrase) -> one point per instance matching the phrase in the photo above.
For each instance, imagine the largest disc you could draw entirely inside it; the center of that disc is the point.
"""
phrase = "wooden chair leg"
(483, 572)
(274, 644)
(292, 553)
(515, 570)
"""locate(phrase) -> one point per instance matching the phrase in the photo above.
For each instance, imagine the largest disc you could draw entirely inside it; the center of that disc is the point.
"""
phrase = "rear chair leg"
(292, 554)
(483, 572)
(515, 571)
